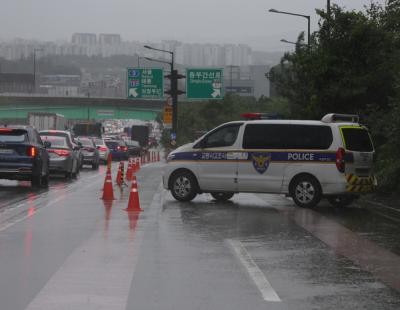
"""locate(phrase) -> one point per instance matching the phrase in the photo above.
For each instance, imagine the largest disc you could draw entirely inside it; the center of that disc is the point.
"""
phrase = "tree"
(352, 66)
(343, 71)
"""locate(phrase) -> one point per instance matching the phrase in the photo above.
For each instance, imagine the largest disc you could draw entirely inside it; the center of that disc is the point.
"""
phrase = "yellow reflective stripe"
(353, 179)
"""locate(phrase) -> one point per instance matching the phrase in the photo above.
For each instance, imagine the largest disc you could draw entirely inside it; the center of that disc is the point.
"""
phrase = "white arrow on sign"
(216, 93)
(133, 93)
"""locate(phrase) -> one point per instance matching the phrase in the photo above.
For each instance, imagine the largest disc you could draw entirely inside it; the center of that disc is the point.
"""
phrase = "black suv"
(23, 155)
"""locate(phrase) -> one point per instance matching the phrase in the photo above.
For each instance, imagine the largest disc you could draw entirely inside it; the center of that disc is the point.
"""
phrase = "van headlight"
(170, 157)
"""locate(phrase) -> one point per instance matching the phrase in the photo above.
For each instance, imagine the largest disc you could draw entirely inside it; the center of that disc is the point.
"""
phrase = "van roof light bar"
(260, 116)
(338, 118)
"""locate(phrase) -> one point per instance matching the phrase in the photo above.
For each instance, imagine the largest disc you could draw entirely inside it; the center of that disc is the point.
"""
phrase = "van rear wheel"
(222, 196)
(306, 191)
(341, 200)
(183, 186)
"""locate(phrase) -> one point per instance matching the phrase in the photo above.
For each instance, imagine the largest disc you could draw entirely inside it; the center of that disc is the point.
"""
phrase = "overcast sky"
(214, 21)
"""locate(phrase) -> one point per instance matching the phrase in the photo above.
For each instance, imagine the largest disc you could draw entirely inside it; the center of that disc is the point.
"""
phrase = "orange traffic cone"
(134, 168)
(134, 202)
(108, 191)
(129, 172)
(118, 178)
(138, 163)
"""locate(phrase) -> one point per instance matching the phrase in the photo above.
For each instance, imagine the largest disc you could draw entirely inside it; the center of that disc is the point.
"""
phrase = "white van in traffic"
(306, 160)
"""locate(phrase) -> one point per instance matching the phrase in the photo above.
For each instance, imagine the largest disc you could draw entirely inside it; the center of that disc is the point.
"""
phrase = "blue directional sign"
(145, 83)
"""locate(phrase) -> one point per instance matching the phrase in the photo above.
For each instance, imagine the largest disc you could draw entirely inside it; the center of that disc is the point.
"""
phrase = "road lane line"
(260, 280)
(99, 273)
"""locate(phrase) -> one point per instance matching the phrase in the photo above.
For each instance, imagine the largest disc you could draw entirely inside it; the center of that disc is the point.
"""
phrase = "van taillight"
(340, 160)
(32, 151)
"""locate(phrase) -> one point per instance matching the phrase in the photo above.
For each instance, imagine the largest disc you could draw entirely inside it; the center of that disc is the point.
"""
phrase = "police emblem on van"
(261, 161)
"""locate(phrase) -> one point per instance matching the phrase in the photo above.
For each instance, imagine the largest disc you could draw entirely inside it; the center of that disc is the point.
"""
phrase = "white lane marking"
(98, 274)
(260, 280)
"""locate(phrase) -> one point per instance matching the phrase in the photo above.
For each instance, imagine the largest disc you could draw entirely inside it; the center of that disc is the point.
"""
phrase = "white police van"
(306, 160)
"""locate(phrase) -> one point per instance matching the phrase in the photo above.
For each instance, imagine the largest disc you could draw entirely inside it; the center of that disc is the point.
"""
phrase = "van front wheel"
(183, 186)
(306, 191)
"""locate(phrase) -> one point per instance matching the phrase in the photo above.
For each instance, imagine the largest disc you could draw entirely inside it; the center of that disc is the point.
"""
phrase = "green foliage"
(343, 71)
(386, 126)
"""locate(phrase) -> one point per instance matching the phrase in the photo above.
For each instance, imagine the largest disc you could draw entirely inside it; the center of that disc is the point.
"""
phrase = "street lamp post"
(174, 85)
(34, 66)
(308, 17)
(291, 42)
(138, 60)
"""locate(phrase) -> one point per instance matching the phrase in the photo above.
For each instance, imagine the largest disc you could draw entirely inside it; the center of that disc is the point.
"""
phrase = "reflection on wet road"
(64, 248)
(188, 259)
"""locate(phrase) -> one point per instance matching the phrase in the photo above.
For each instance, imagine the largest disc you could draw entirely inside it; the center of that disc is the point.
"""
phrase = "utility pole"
(174, 92)
(34, 67)
(328, 17)
(328, 8)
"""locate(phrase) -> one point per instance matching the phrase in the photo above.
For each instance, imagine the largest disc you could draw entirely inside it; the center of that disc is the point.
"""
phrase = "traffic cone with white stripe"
(138, 163)
(134, 166)
(134, 202)
(118, 178)
(129, 172)
(108, 191)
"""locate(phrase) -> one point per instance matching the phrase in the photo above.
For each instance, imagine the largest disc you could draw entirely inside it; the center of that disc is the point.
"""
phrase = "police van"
(306, 160)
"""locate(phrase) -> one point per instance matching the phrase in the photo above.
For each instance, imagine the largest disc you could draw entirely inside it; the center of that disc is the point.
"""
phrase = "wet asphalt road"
(64, 248)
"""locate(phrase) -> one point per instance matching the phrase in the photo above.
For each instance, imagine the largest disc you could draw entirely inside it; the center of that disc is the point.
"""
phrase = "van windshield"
(357, 139)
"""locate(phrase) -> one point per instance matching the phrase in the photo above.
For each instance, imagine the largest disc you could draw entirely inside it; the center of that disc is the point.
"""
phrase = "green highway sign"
(203, 83)
(145, 83)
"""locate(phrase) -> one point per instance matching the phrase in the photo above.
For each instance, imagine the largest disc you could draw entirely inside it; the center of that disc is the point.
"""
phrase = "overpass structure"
(77, 108)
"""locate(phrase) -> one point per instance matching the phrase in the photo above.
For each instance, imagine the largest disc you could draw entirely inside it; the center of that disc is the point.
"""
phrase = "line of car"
(29, 155)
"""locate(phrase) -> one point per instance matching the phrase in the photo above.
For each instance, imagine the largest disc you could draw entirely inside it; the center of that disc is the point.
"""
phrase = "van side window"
(287, 136)
(225, 136)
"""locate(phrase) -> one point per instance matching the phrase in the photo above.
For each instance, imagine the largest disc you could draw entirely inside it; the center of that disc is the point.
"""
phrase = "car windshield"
(85, 142)
(112, 144)
(54, 133)
(9, 135)
(55, 141)
(98, 142)
(132, 143)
